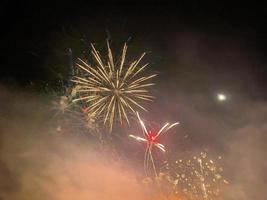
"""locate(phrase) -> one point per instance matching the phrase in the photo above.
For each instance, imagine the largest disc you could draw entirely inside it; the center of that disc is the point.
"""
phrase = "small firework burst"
(61, 105)
(151, 139)
(70, 117)
(111, 90)
(198, 178)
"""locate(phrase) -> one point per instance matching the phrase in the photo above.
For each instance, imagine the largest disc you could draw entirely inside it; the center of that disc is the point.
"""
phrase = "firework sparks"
(151, 140)
(111, 90)
(198, 178)
(61, 105)
(70, 117)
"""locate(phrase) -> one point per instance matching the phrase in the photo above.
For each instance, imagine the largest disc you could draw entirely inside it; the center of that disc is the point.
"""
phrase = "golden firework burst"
(199, 177)
(112, 90)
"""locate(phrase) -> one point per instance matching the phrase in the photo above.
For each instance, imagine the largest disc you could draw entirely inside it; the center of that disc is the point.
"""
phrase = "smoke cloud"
(38, 163)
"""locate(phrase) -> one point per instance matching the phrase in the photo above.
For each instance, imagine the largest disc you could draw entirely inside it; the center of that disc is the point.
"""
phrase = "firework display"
(197, 178)
(151, 139)
(111, 90)
(133, 101)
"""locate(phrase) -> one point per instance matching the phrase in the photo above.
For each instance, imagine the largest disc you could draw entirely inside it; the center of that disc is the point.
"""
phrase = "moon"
(221, 97)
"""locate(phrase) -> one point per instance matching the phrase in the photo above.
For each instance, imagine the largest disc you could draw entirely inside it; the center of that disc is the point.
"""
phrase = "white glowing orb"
(221, 97)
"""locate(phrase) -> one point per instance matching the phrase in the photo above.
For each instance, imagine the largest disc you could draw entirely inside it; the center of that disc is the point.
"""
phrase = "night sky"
(36, 37)
(200, 51)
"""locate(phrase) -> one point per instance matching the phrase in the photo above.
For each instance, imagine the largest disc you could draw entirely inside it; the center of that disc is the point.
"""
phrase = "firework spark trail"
(151, 140)
(111, 91)
(202, 179)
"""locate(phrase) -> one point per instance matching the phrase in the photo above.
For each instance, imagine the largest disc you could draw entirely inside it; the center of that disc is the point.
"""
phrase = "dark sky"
(185, 39)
